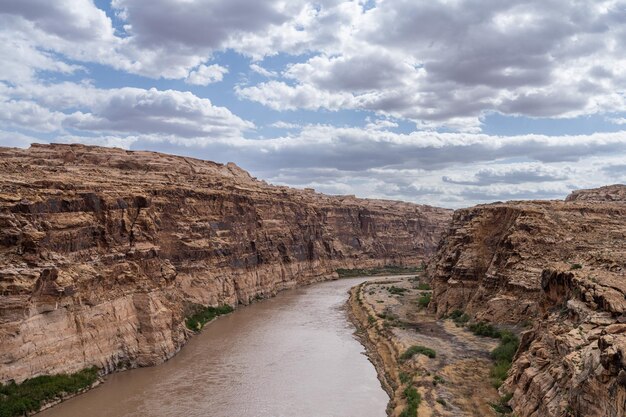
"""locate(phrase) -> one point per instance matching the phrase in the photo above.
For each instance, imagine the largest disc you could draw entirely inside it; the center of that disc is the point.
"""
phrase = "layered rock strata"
(557, 270)
(103, 252)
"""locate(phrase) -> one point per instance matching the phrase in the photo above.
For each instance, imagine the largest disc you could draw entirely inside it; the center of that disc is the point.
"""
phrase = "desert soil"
(454, 383)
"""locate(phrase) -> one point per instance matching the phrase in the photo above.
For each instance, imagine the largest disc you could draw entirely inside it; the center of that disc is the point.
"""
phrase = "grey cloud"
(507, 175)
(499, 195)
(204, 24)
(75, 20)
(543, 105)
(409, 167)
(616, 171)
(466, 58)
(351, 149)
(358, 73)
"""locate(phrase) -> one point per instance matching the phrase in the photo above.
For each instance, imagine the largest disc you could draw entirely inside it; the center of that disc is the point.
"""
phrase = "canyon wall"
(103, 252)
(556, 270)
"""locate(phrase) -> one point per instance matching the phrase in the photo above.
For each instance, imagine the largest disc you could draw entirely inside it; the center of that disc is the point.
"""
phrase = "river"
(294, 355)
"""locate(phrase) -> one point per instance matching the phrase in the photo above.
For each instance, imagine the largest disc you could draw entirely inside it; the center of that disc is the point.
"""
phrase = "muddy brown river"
(294, 355)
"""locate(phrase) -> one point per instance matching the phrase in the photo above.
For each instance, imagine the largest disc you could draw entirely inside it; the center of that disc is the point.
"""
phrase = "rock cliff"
(557, 270)
(103, 252)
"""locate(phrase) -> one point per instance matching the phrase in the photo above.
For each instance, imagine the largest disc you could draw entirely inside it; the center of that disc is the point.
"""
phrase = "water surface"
(294, 355)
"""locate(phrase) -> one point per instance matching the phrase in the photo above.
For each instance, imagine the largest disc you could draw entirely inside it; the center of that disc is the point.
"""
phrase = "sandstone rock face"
(104, 251)
(557, 269)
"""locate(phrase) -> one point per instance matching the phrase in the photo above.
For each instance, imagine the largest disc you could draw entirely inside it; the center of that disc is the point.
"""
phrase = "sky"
(443, 102)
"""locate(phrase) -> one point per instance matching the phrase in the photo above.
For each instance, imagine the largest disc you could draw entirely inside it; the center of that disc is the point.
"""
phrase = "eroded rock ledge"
(103, 251)
(559, 269)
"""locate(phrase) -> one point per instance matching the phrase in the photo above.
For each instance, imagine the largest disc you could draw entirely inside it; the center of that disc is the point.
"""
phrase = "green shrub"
(205, 314)
(438, 380)
(415, 349)
(484, 329)
(404, 377)
(502, 406)
(503, 356)
(413, 400)
(371, 319)
(32, 394)
(459, 318)
(396, 290)
(423, 286)
(576, 266)
(385, 270)
(424, 300)
(455, 314)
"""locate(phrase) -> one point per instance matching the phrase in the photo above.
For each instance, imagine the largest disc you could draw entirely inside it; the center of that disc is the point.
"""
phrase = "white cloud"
(17, 140)
(380, 124)
(617, 120)
(128, 110)
(29, 115)
(285, 125)
(21, 60)
(281, 96)
(205, 75)
(262, 71)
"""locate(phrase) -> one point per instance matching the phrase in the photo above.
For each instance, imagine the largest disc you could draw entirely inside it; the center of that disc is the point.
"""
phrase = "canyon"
(104, 252)
(556, 272)
(548, 278)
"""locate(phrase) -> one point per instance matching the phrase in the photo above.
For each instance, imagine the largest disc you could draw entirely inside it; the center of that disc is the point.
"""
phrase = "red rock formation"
(561, 267)
(104, 251)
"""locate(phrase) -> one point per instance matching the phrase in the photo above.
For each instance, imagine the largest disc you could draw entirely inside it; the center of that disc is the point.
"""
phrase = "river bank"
(293, 354)
(50, 399)
(426, 365)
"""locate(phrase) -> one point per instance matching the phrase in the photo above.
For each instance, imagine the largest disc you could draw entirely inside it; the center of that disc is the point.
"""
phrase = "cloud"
(205, 75)
(280, 96)
(21, 60)
(163, 38)
(504, 194)
(617, 120)
(440, 64)
(448, 64)
(29, 115)
(67, 19)
(197, 24)
(380, 124)
(262, 71)
(357, 149)
(285, 125)
(168, 37)
(616, 171)
(124, 110)
(17, 140)
(509, 174)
